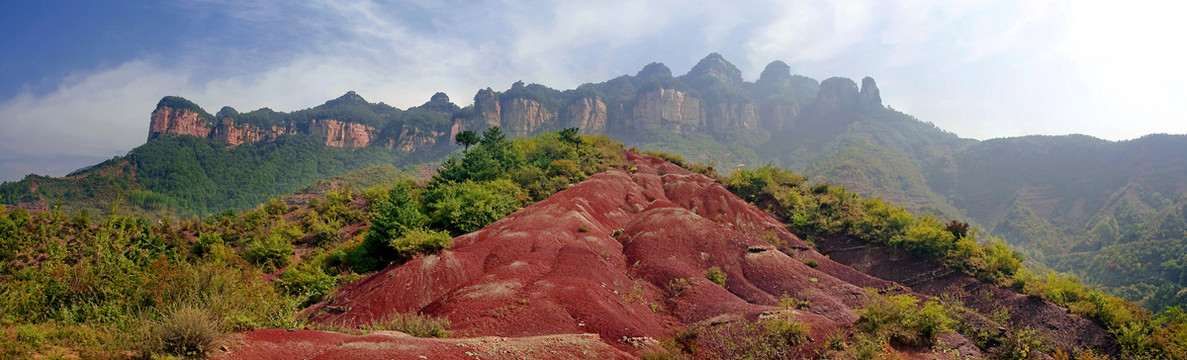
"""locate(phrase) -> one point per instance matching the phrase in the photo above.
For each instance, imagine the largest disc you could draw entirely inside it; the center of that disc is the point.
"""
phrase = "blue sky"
(79, 79)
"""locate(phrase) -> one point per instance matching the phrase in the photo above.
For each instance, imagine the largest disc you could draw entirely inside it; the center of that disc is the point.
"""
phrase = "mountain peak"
(870, 96)
(713, 70)
(350, 97)
(654, 70)
(226, 112)
(776, 74)
(439, 97)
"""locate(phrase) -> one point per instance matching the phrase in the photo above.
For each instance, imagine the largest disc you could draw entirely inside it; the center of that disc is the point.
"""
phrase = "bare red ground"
(315, 345)
(609, 256)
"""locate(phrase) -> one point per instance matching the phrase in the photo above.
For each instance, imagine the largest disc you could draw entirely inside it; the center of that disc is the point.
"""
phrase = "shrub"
(308, 282)
(415, 324)
(271, 253)
(787, 331)
(901, 320)
(420, 241)
(206, 243)
(276, 207)
(716, 275)
(467, 206)
(187, 331)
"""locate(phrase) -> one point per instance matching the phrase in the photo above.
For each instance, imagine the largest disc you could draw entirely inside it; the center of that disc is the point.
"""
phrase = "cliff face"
(666, 109)
(486, 114)
(235, 135)
(170, 121)
(342, 134)
(522, 117)
(727, 115)
(779, 116)
(413, 138)
(588, 114)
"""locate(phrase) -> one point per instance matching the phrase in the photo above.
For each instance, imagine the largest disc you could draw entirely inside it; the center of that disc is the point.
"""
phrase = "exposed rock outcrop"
(413, 138)
(870, 96)
(233, 135)
(170, 121)
(587, 114)
(712, 97)
(523, 117)
(727, 115)
(666, 109)
(487, 113)
(337, 133)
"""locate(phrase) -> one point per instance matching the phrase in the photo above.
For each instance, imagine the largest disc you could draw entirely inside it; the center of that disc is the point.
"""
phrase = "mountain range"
(1110, 212)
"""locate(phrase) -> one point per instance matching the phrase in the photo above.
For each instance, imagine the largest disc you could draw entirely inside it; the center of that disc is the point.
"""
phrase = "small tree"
(569, 135)
(467, 138)
(493, 136)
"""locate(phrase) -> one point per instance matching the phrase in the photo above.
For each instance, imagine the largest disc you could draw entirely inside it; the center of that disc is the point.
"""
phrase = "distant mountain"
(1074, 203)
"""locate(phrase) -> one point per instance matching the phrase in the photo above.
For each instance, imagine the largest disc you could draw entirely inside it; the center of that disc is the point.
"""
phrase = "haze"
(78, 81)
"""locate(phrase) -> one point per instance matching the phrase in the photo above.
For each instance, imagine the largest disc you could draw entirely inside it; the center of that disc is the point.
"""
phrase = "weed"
(716, 275)
(185, 330)
(415, 324)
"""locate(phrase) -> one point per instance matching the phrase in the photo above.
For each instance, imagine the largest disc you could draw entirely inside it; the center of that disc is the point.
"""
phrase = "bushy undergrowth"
(775, 337)
(128, 285)
(822, 210)
(900, 320)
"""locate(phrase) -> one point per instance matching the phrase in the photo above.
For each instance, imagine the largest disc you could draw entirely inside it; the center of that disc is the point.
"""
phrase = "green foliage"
(460, 208)
(194, 176)
(466, 138)
(902, 321)
(769, 338)
(307, 282)
(420, 241)
(824, 210)
(272, 252)
(716, 275)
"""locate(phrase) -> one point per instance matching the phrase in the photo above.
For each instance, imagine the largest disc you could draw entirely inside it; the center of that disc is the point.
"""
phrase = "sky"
(79, 79)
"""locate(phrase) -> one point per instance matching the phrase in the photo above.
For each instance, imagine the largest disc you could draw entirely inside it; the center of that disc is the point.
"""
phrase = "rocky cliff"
(174, 121)
(523, 117)
(666, 109)
(342, 134)
(712, 97)
(588, 114)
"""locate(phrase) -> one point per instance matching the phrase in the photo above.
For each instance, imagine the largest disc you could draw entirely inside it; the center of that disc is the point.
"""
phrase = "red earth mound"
(623, 255)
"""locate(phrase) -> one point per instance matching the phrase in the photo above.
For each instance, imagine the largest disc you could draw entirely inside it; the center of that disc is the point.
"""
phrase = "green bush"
(307, 282)
(270, 253)
(467, 206)
(787, 331)
(420, 241)
(902, 321)
(716, 275)
(206, 243)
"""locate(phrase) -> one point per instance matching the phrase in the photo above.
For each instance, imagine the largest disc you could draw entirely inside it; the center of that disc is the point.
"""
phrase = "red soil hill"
(622, 255)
